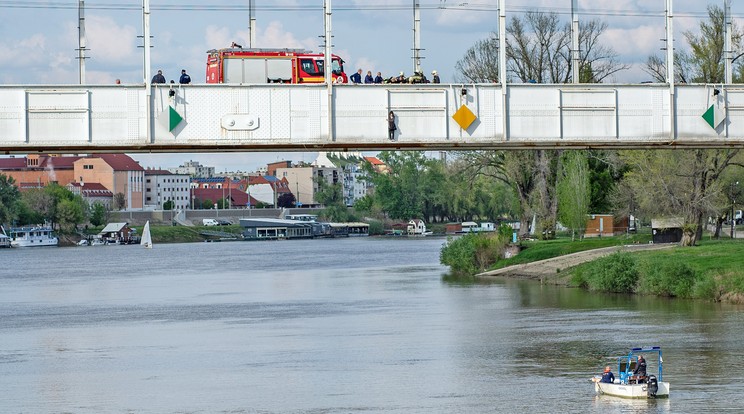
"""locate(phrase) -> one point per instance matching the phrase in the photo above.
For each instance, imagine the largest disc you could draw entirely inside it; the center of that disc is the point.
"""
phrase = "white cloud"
(108, 41)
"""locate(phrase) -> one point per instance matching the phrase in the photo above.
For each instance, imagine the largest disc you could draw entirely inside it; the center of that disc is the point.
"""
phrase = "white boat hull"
(630, 390)
(36, 242)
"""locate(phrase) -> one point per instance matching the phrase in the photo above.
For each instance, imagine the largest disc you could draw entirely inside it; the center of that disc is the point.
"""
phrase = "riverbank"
(714, 270)
(554, 270)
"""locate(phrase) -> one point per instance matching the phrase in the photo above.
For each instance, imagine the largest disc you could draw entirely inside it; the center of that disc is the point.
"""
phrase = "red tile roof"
(120, 162)
(374, 161)
(59, 162)
(157, 172)
(239, 198)
(12, 163)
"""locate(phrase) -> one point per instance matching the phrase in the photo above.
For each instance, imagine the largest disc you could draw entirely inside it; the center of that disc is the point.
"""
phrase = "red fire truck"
(238, 65)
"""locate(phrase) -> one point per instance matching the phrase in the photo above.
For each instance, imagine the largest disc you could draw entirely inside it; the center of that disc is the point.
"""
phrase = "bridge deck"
(75, 118)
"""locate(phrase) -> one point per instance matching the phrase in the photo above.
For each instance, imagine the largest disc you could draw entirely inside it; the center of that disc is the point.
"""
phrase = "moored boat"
(629, 385)
(32, 237)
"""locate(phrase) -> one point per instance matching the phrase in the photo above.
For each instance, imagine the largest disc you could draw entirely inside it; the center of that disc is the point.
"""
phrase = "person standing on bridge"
(357, 77)
(369, 79)
(391, 126)
(378, 78)
(185, 78)
(159, 78)
(434, 77)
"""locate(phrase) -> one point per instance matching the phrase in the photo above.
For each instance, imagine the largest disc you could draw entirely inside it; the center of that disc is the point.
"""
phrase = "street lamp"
(733, 214)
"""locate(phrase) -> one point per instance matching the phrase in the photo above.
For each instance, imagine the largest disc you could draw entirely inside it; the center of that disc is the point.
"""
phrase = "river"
(333, 326)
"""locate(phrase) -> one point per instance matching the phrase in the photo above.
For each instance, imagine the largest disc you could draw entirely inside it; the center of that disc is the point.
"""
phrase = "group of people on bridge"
(418, 77)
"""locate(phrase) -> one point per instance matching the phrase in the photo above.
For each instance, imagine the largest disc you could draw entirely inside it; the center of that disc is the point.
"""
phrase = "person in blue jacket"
(185, 78)
(369, 79)
(357, 77)
(607, 377)
(378, 78)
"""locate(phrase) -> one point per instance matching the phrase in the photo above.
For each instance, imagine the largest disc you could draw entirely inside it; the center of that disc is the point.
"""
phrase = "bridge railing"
(296, 118)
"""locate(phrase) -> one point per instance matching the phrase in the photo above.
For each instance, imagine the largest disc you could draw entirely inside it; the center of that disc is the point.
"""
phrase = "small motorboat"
(628, 385)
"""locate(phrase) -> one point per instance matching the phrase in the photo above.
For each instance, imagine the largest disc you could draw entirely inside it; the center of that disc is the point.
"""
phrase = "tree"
(207, 204)
(574, 191)
(705, 61)
(9, 197)
(686, 182)
(98, 214)
(285, 200)
(71, 212)
(120, 201)
(538, 48)
(331, 196)
(169, 205)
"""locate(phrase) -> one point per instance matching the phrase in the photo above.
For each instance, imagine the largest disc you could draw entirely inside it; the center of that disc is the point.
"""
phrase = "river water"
(333, 326)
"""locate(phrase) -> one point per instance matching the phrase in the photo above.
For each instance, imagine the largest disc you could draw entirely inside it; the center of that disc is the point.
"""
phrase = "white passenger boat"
(628, 385)
(32, 237)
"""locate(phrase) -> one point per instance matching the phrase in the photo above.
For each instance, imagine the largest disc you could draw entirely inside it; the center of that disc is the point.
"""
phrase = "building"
(212, 196)
(119, 173)
(38, 170)
(303, 179)
(162, 186)
(667, 230)
(193, 169)
(93, 193)
(599, 225)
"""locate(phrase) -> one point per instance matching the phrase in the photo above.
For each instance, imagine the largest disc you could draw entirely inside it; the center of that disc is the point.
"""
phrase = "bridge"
(222, 117)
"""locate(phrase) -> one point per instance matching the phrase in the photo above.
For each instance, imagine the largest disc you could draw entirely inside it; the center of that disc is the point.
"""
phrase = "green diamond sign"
(170, 118)
(174, 118)
(714, 116)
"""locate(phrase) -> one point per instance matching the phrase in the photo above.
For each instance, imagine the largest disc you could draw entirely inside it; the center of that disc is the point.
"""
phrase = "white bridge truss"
(73, 118)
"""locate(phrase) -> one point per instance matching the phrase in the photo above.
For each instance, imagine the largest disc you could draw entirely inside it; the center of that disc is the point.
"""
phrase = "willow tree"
(538, 49)
(685, 183)
(574, 191)
(9, 196)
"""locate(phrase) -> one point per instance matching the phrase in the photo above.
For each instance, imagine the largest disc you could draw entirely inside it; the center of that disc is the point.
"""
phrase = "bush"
(376, 227)
(617, 272)
(669, 279)
(472, 253)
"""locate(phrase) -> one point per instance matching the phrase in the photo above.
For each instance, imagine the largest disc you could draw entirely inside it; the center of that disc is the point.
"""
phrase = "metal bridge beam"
(114, 118)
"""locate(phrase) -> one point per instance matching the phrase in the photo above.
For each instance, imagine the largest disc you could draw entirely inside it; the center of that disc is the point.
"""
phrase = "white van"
(210, 222)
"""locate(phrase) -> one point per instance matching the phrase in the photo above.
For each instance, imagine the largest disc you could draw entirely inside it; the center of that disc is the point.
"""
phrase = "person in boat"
(607, 377)
(640, 369)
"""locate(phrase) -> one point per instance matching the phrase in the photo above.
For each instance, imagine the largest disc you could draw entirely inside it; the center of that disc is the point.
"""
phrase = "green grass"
(716, 271)
(533, 251)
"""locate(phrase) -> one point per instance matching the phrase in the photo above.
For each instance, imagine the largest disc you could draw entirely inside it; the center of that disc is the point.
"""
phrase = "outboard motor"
(653, 386)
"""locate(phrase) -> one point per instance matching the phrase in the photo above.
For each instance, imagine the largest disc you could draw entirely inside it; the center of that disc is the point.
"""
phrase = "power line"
(439, 5)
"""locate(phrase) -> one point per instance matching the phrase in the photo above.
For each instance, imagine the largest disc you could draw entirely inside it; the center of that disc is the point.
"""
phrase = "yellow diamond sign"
(464, 117)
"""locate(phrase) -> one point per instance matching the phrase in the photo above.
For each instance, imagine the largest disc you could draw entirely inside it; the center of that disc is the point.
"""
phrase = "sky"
(39, 40)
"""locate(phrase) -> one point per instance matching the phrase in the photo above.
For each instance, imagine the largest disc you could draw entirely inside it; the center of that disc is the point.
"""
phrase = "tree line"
(559, 185)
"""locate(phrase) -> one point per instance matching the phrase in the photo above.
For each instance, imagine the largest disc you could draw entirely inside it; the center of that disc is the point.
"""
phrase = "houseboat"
(32, 237)
(4, 241)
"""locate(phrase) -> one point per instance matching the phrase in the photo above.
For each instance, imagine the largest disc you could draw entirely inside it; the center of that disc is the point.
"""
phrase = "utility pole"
(146, 66)
(328, 67)
(416, 36)
(670, 69)
(575, 41)
(251, 25)
(727, 52)
(82, 41)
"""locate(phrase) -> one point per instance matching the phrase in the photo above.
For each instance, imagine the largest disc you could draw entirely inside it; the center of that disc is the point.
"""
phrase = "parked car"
(210, 222)
(224, 222)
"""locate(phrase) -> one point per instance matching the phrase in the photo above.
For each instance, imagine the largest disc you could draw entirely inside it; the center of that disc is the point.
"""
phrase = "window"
(87, 166)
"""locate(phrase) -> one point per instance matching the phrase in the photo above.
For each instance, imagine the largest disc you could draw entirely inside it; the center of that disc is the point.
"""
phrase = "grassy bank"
(532, 251)
(712, 271)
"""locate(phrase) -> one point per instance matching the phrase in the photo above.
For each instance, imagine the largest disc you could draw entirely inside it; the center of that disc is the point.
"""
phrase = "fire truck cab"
(238, 65)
